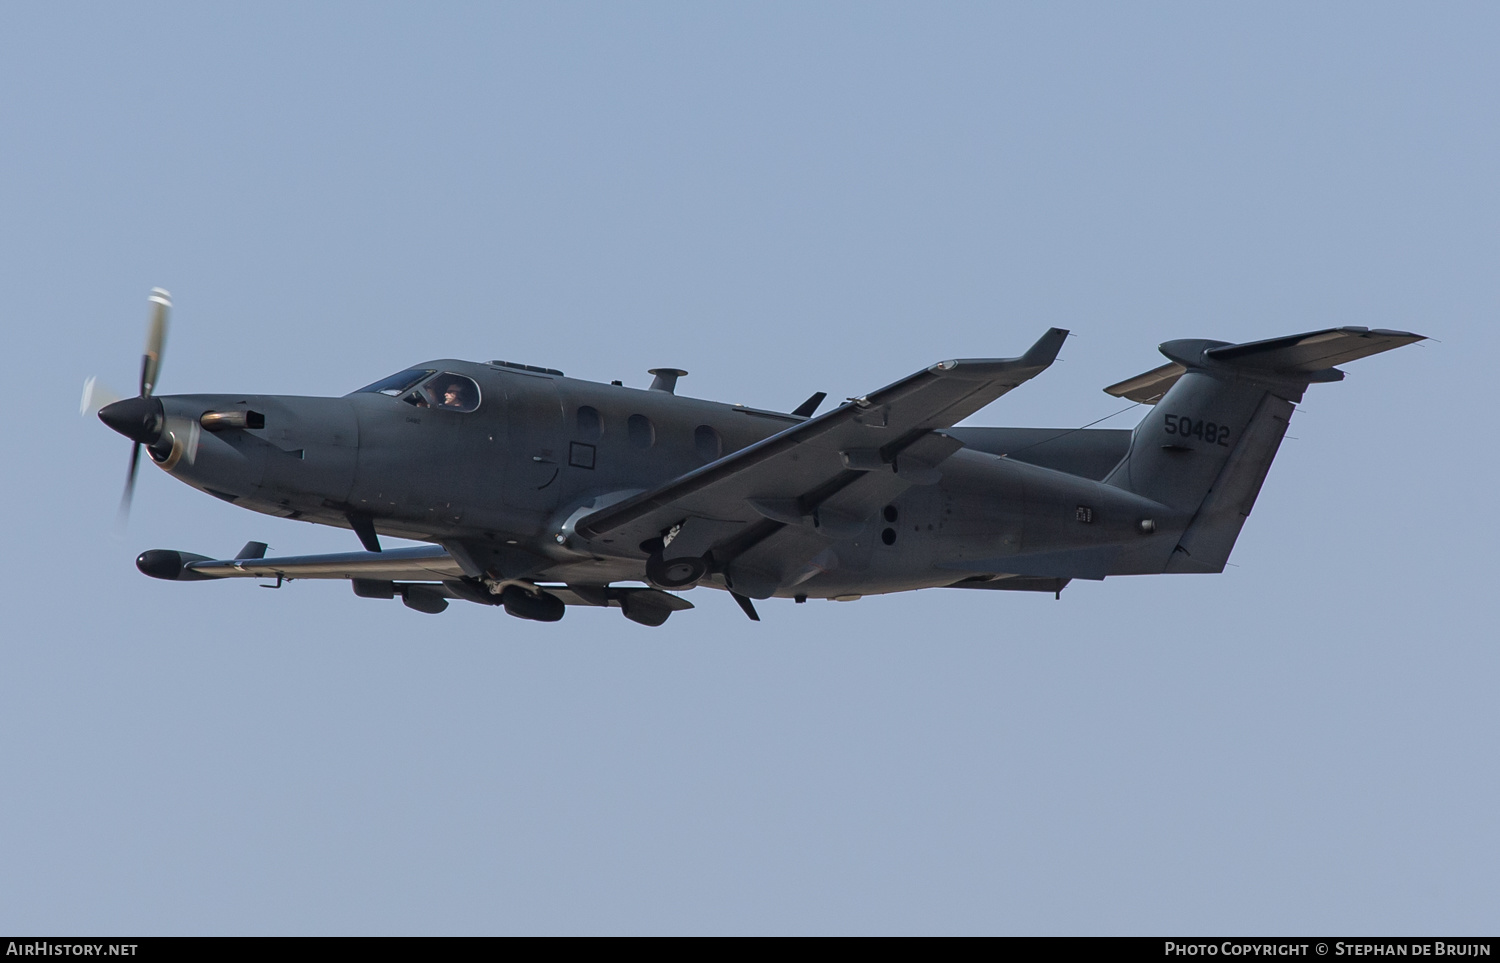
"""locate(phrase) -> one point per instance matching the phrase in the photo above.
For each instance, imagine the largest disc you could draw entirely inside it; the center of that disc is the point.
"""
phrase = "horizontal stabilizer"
(1297, 359)
(1148, 388)
(1315, 351)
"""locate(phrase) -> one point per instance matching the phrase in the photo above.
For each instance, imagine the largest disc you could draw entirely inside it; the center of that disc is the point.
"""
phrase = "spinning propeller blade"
(129, 495)
(140, 418)
(96, 394)
(156, 338)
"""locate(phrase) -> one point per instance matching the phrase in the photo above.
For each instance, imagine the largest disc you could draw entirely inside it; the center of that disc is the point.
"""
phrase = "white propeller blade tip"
(96, 396)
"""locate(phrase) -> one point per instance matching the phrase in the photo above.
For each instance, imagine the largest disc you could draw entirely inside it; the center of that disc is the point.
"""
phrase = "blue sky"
(780, 198)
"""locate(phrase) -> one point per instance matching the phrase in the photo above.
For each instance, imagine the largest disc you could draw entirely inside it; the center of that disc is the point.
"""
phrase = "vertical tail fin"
(1220, 413)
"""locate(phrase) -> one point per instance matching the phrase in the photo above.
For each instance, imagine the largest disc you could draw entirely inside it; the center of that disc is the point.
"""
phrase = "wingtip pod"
(170, 565)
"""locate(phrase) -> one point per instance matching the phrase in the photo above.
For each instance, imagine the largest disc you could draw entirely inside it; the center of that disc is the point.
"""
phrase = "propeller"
(156, 339)
(141, 419)
(96, 395)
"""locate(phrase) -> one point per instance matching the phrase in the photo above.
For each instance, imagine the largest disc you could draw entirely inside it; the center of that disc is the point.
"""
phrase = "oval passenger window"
(590, 425)
(708, 442)
(642, 433)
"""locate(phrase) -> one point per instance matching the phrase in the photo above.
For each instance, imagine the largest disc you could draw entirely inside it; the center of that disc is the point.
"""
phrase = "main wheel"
(674, 573)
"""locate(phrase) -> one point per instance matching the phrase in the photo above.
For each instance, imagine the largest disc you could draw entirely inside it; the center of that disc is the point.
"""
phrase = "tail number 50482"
(1206, 431)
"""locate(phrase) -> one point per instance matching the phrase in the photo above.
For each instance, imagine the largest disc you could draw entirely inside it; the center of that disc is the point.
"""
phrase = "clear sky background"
(780, 198)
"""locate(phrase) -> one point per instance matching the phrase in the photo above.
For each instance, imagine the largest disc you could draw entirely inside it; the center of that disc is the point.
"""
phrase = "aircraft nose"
(139, 419)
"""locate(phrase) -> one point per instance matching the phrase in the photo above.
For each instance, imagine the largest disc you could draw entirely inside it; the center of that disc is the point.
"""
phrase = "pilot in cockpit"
(453, 397)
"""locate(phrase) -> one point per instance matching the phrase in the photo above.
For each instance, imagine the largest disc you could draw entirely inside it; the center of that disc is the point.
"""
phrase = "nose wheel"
(674, 573)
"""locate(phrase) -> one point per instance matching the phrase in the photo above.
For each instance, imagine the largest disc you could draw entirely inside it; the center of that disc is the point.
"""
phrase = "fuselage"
(511, 454)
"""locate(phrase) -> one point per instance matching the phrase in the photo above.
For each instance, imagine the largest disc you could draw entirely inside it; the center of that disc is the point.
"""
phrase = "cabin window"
(641, 432)
(709, 443)
(590, 425)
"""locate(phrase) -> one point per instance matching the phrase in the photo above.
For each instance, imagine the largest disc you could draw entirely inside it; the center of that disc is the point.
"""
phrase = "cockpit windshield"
(397, 383)
(429, 388)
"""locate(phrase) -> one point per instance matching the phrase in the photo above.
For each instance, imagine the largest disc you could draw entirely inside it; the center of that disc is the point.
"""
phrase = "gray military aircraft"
(537, 491)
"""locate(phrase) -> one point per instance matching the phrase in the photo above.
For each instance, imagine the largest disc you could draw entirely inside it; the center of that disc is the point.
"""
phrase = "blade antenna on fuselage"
(747, 605)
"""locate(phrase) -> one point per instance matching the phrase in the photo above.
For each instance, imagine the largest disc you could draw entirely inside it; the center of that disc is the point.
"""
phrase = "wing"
(409, 573)
(826, 476)
(421, 563)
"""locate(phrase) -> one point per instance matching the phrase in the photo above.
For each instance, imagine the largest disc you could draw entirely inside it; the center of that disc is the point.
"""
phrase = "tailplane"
(1220, 413)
